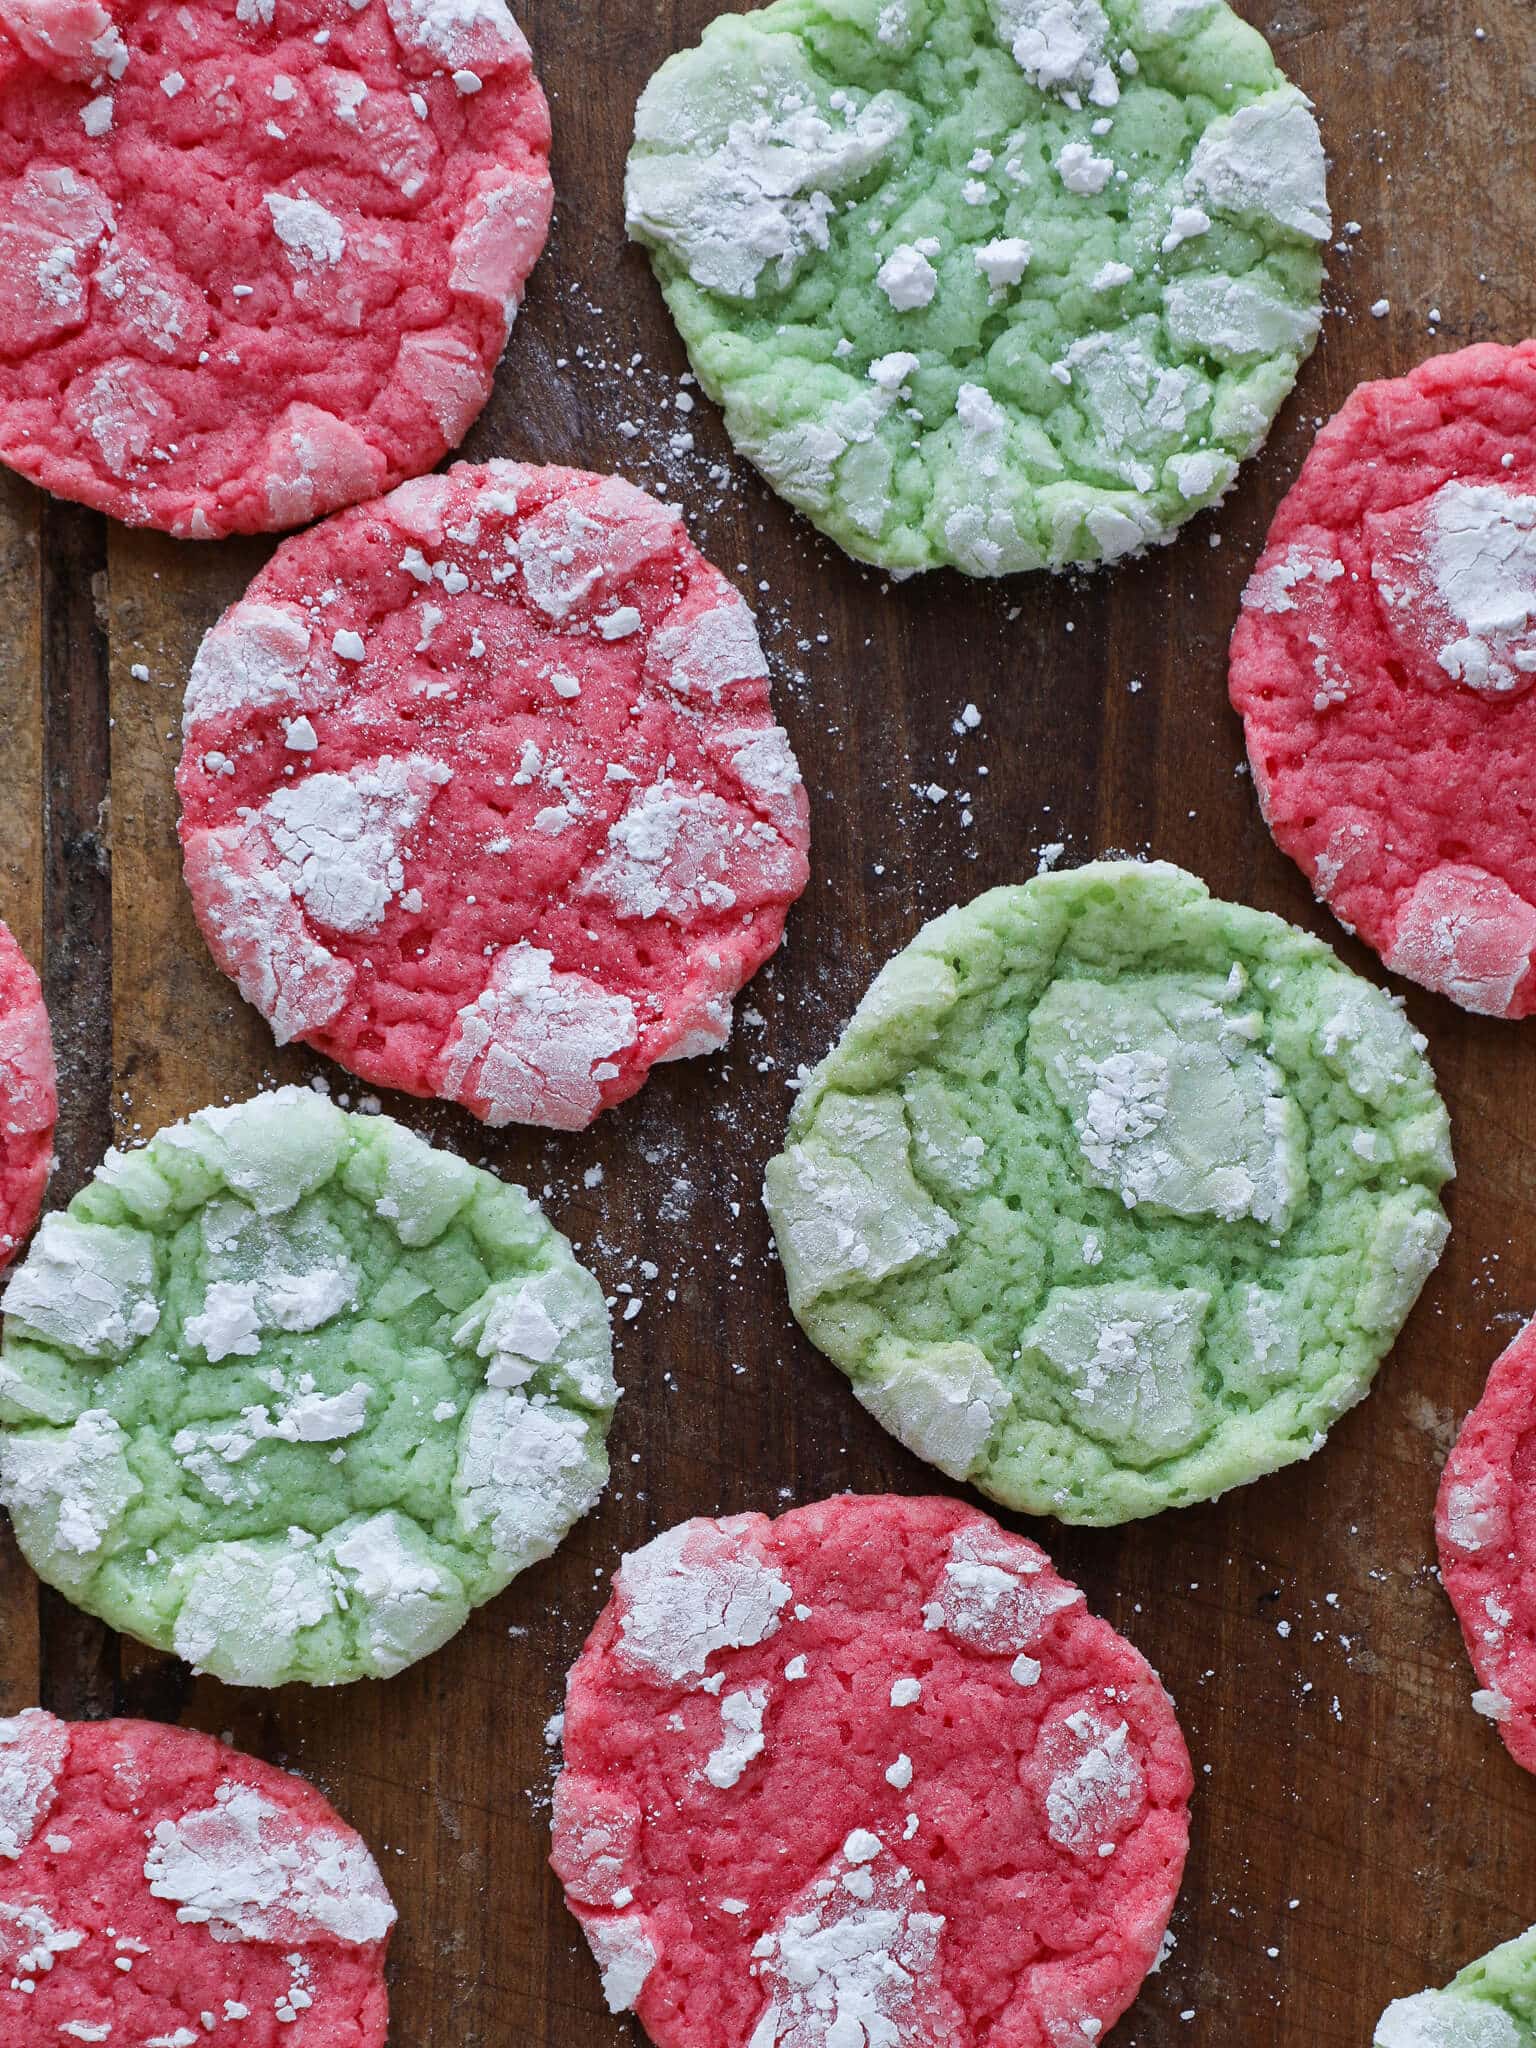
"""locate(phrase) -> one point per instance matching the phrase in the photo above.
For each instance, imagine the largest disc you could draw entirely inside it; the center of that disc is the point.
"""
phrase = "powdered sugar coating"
(1485, 1523)
(28, 1097)
(289, 1391)
(1384, 666)
(178, 1881)
(1111, 1196)
(1489, 2004)
(811, 1887)
(482, 793)
(259, 262)
(991, 284)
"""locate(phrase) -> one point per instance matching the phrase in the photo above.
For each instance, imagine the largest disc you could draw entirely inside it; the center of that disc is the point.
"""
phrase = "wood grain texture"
(1358, 1832)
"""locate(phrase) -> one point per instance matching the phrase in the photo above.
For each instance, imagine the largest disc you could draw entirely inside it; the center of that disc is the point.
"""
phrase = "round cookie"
(1485, 1523)
(289, 1391)
(994, 284)
(1112, 1196)
(258, 258)
(158, 1889)
(1491, 2004)
(870, 1773)
(1384, 667)
(482, 793)
(28, 1097)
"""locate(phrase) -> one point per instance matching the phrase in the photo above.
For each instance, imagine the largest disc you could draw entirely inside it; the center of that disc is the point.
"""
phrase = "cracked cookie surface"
(1485, 1522)
(869, 1772)
(1385, 670)
(482, 793)
(160, 1889)
(289, 1391)
(259, 258)
(1112, 1196)
(1490, 2004)
(999, 284)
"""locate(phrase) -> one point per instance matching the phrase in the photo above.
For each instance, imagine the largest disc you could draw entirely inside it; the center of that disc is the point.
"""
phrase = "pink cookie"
(1486, 1524)
(482, 794)
(867, 1773)
(28, 1097)
(1385, 668)
(258, 258)
(158, 1890)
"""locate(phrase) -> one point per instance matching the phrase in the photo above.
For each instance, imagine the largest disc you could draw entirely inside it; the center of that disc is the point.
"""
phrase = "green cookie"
(1112, 1196)
(289, 1391)
(1002, 284)
(1492, 2004)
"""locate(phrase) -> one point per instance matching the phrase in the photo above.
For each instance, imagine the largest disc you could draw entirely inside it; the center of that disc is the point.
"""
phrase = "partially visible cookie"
(1385, 669)
(257, 260)
(482, 793)
(158, 1889)
(1112, 1196)
(28, 1097)
(1485, 1521)
(993, 284)
(1492, 2004)
(869, 1774)
(289, 1392)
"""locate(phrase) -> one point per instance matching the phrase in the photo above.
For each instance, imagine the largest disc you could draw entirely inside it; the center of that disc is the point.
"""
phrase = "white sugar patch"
(251, 1872)
(33, 1747)
(1482, 557)
(701, 1587)
(537, 1044)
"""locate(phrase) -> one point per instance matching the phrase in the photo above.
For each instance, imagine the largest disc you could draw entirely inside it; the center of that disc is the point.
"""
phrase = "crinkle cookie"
(1485, 1521)
(483, 796)
(870, 1774)
(159, 1890)
(1492, 2004)
(1000, 284)
(1385, 665)
(1112, 1196)
(289, 1391)
(258, 258)
(28, 1096)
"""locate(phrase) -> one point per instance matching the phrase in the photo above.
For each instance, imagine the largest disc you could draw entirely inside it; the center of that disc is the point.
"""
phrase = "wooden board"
(1358, 1831)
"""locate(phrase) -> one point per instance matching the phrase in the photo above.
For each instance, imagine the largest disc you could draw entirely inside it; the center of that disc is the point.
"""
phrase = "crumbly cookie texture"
(1492, 2004)
(159, 1889)
(868, 1774)
(257, 262)
(482, 793)
(1112, 1196)
(1385, 669)
(28, 1097)
(1486, 1526)
(998, 284)
(289, 1391)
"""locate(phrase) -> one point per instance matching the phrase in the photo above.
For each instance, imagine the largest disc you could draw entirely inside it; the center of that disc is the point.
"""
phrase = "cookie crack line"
(288, 1391)
(1205, 1200)
(986, 358)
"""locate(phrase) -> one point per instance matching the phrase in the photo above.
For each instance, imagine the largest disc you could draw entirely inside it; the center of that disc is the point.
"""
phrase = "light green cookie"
(1112, 1196)
(1003, 284)
(289, 1391)
(1492, 2004)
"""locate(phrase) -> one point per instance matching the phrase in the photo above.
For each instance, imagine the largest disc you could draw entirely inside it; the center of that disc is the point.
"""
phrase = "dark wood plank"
(21, 906)
(1340, 1765)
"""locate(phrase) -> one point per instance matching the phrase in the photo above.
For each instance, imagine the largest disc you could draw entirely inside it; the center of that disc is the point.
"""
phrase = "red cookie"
(867, 1774)
(1485, 1521)
(482, 794)
(258, 258)
(158, 1890)
(28, 1097)
(1385, 669)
